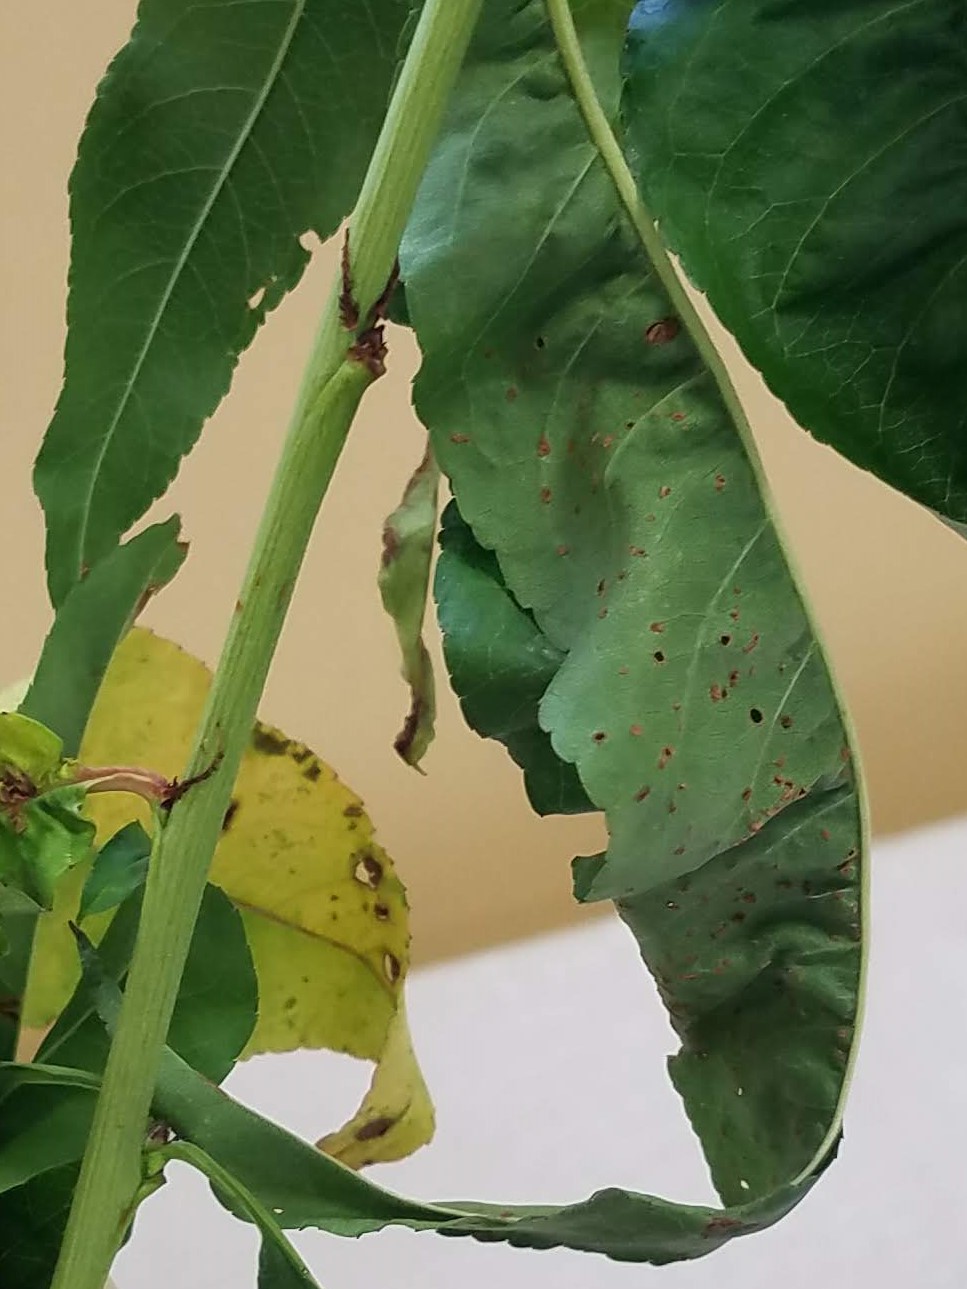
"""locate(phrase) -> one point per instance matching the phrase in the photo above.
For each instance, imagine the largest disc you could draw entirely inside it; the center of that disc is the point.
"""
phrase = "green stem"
(244, 1201)
(329, 396)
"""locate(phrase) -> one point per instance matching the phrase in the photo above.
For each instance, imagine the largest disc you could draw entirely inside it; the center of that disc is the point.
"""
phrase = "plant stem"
(333, 384)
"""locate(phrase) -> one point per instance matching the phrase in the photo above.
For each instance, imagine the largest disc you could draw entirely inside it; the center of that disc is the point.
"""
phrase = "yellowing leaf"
(324, 912)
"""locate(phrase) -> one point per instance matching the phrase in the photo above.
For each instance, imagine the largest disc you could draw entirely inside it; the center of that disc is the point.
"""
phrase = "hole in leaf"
(755, 715)
(659, 656)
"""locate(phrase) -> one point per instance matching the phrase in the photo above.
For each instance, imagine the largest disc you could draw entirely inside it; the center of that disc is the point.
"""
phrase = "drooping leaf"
(98, 611)
(324, 913)
(829, 238)
(219, 136)
(302, 1187)
(404, 579)
(119, 869)
(589, 449)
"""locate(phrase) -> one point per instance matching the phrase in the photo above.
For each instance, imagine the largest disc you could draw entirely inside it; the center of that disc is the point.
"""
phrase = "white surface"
(546, 1062)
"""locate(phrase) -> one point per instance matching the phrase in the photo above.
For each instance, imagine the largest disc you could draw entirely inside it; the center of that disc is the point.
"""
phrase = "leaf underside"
(831, 241)
(218, 138)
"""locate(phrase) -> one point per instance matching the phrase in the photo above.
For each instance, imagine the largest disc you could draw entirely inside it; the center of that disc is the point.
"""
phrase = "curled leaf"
(404, 578)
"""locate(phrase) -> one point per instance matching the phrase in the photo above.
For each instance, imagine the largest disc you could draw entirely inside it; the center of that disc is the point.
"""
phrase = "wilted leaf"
(404, 579)
(324, 912)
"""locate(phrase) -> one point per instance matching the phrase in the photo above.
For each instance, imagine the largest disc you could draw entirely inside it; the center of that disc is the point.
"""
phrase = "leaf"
(404, 578)
(42, 838)
(500, 664)
(43, 1126)
(324, 913)
(830, 241)
(302, 1188)
(589, 449)
(220, 135)
(29, 748)
(120, 868)
(32, 1221)
(98, 611)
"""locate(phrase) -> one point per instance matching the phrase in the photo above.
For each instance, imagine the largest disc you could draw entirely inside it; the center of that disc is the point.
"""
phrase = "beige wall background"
(889, 583)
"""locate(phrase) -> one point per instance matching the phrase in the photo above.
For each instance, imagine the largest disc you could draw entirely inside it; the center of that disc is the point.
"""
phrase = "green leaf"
(589, 449)
(43, 1126)
(43, 839)
(280, 1266)
(217, 1003)
(120, 868)
(32, 1221)
(828, 236)
(404, 578)
(93, 618)
(29, 748)
(500, 664)
(220, 135)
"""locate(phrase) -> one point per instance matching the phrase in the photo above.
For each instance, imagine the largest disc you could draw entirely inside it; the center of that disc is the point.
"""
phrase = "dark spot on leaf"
(666, 755)
(734, 614)
(543, 446)
(545, 495)
(602, 587)
(368, 870)
(755, 715)
(717, 693)
(785, 721)
(382, 912)
(607, 441)
(719, 482)
(375, 1128)
(659, 656)
(657, 627)
(746, 794)
(749, 897)
(725, 639)
(391, 966)
(511, 393)
(290, 1003)
(664, 491)
(678, 416)
(353, 811)
(752, 643)
(312, 772)
(642, 793)
(563, 550)
(459, 438)
(230, 814)
(539, 342)
(662, 332)
(599, 736)
(637, 550)
(679, 850)
(672, 807)
(269, 741)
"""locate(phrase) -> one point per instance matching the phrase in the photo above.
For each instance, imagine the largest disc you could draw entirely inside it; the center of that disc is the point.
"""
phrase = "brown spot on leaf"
(375, 1128)
(543, 446)
(753, 642)
(545, 495)
(785, 721)
(599, 736)
(459, 438)
(666, 755)
(662, 332)
(368, 870)
(391, 967)
(657, 627)
(270, 742)
(642, 793)
(353, 811)
(381, 911)
(563, 550)
(664, 491)
(511, 393)
(637, 550)
(717, 693)
(719, 482)
(637, 731)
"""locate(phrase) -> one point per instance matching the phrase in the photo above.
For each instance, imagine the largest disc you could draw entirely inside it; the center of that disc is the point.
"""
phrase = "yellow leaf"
(325, 913)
